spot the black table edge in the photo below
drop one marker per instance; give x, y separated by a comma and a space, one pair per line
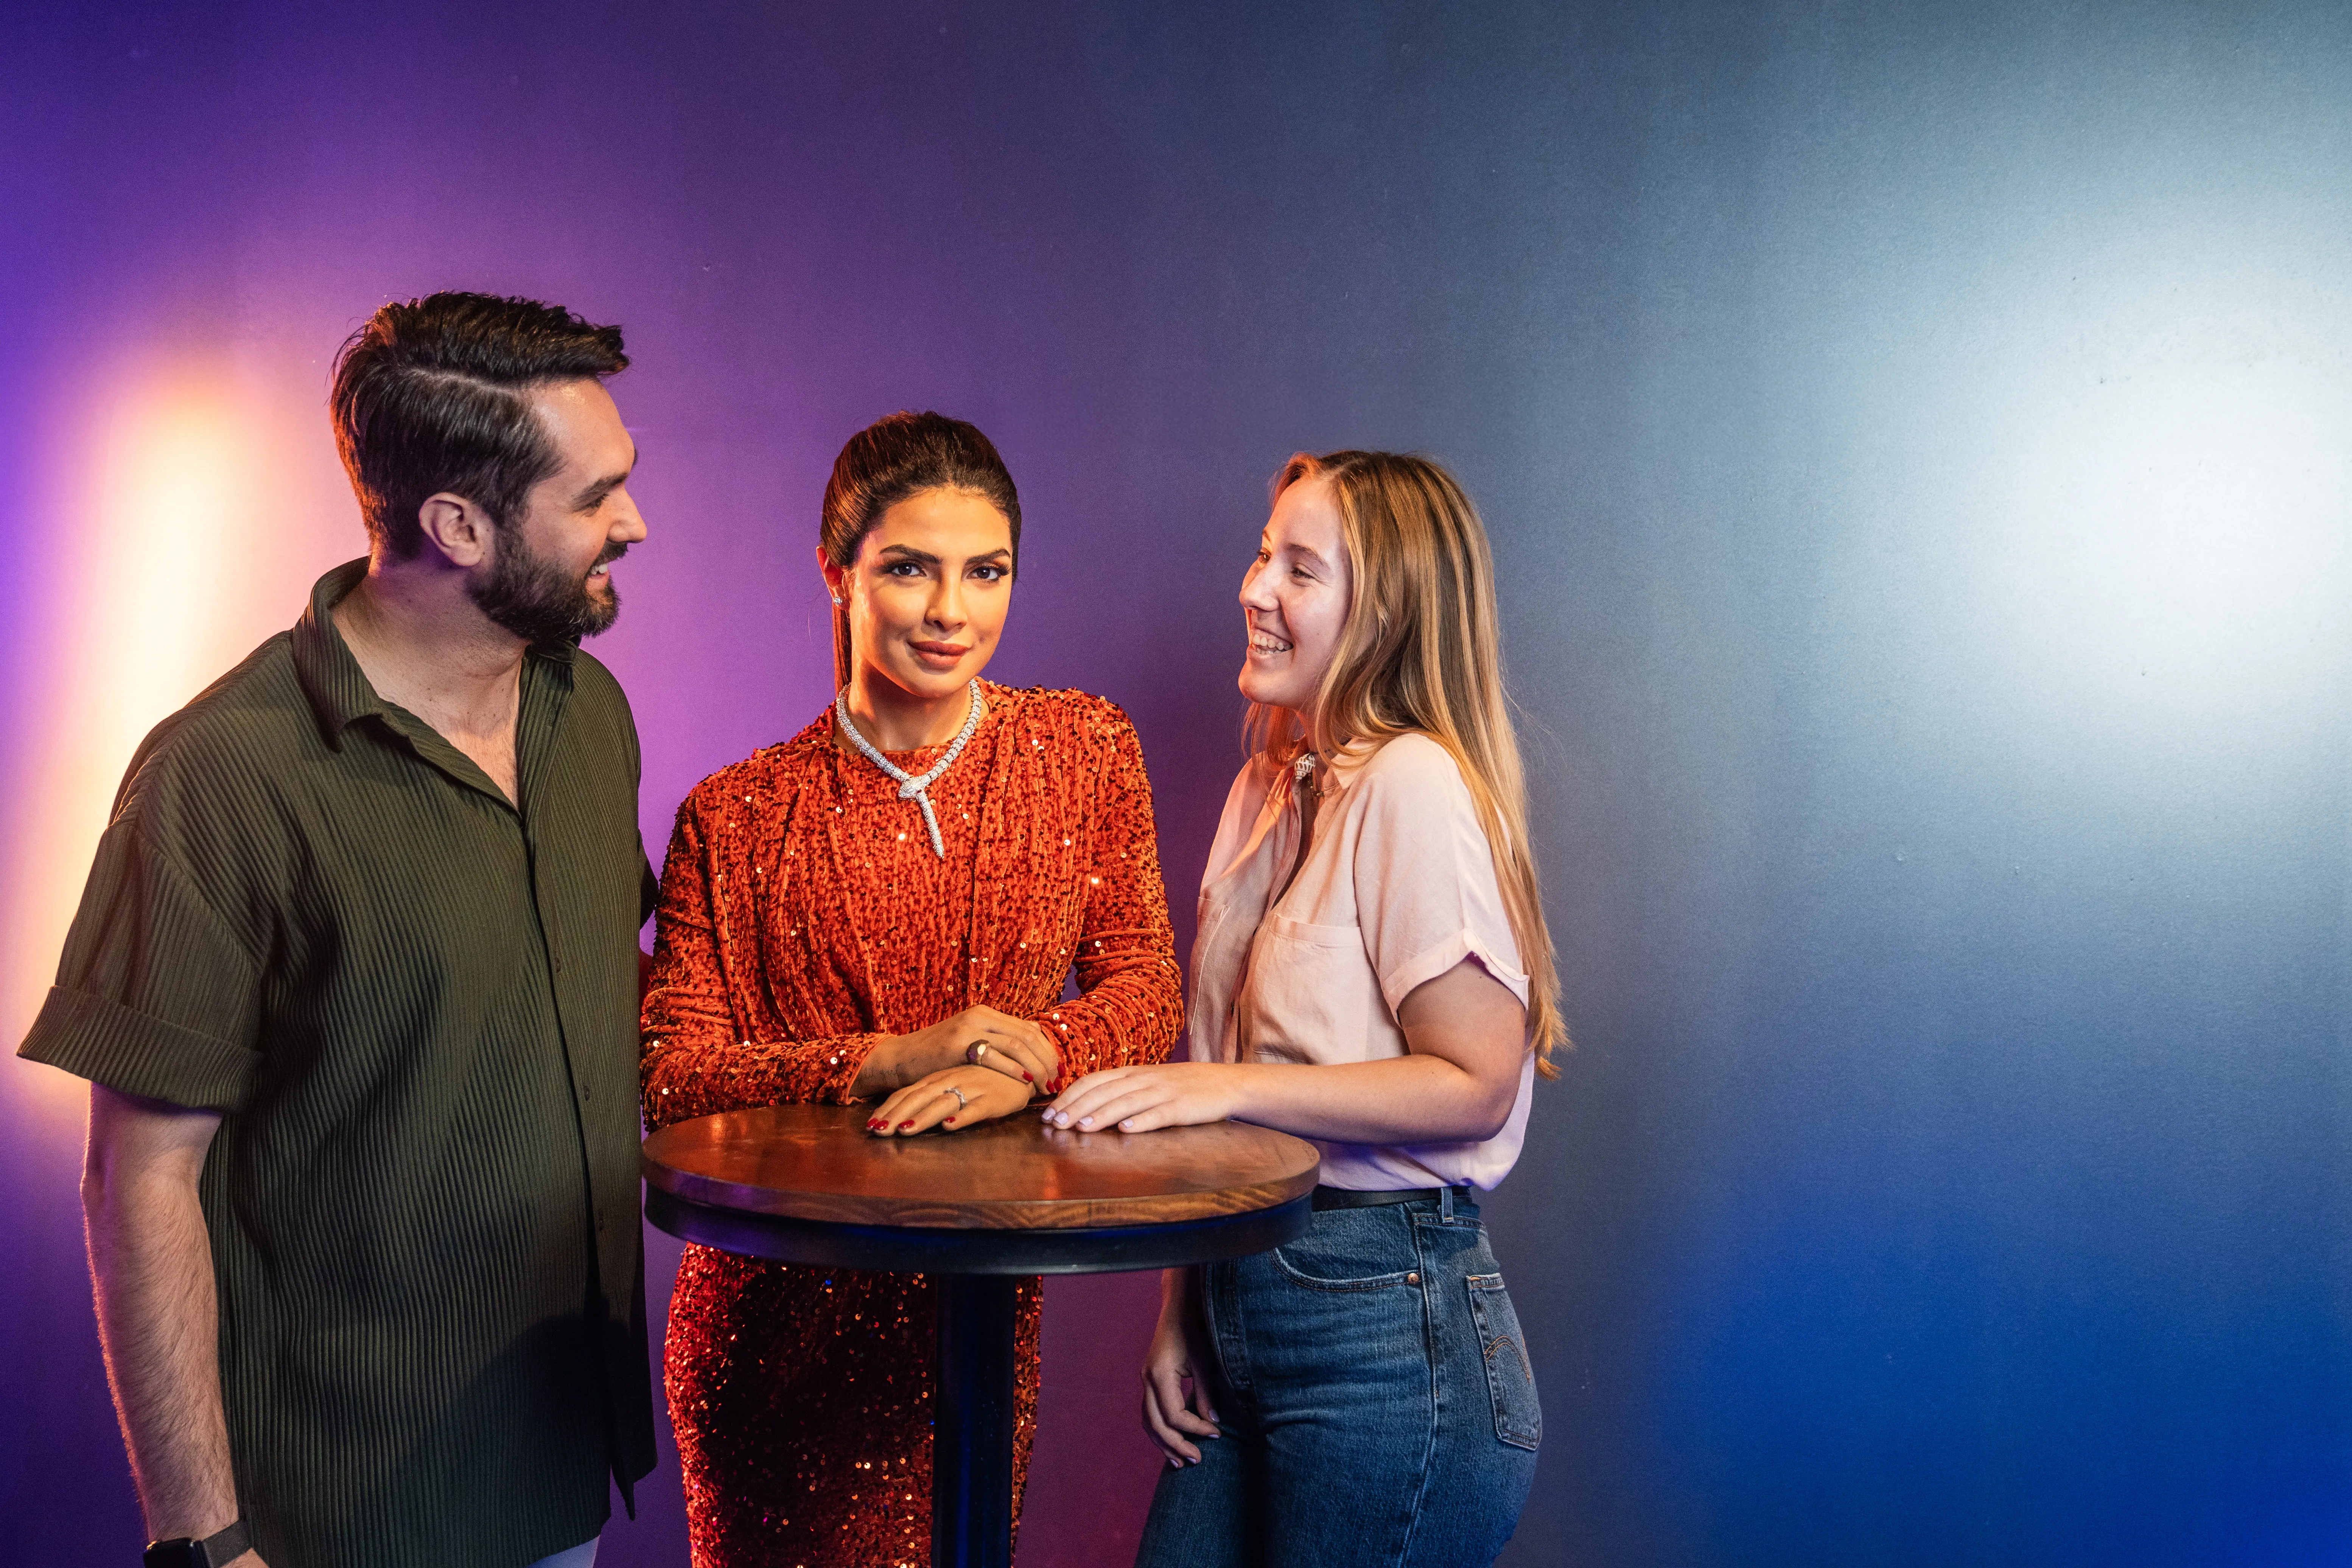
912, 1250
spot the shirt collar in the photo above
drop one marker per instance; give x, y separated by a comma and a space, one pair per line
1340, 768
331, 679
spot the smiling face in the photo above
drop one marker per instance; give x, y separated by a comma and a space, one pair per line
927, 592
547, 576
1296, 598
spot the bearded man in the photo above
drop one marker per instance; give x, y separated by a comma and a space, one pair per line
354, 984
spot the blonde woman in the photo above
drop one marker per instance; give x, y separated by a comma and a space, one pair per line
1371, 972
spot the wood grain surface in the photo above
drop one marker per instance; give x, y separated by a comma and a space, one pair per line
818, 1163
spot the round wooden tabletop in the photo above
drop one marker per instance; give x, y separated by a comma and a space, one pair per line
809, 1184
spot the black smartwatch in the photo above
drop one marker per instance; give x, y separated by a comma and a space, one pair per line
212, 1551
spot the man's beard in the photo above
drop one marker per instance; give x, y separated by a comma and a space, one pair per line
532, 597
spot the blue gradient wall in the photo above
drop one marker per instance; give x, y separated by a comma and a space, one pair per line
1915, 437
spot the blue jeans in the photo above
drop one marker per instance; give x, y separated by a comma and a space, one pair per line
1375, 1399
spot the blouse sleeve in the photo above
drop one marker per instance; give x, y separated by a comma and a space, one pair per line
1131, 1006
700, 1055
1426, 894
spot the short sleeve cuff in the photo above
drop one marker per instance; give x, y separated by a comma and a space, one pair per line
1431, 961
136, 1053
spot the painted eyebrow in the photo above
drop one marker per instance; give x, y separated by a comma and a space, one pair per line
909, 553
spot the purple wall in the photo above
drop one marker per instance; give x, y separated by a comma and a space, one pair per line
1913, 437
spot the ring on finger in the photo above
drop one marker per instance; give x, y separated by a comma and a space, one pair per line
974, 1052
961, 1103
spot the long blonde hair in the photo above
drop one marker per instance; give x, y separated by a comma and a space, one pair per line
1420, 652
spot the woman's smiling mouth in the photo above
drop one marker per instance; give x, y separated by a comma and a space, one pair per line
940, 654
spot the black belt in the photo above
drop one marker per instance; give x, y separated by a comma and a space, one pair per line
1348, 1198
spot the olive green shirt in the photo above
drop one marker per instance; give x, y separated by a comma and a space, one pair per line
414, 1003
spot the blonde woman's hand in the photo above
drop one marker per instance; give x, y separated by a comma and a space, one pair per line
1137, 1100
1172, 1414
950, 1100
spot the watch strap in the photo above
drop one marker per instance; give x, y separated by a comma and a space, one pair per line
217, 1550
227, 1546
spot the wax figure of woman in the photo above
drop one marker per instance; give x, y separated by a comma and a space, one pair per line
1373, 973
885, 908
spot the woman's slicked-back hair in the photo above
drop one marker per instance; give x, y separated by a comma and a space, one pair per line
433, 394
901, 455
1422, 651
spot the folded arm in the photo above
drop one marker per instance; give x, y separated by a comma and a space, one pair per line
1131, 1006
695, 1060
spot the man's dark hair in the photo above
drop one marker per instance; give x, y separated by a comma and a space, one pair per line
433, 394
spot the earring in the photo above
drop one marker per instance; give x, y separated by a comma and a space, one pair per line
836, 598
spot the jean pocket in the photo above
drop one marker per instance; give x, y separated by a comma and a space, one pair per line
1352, 1249
1297, 1275
1511, 1380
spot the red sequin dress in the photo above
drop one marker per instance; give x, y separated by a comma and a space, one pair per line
804, 918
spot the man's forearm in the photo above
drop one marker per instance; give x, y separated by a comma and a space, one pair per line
151, 1260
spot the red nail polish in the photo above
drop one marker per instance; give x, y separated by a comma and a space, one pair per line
904, 1125
1028, 1078
948, 1122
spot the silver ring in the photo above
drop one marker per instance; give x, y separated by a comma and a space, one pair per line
961, 1103
974, 1051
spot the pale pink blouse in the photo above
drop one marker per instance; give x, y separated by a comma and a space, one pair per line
1399, 887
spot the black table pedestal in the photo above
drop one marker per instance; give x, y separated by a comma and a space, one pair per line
976, 1273
974, 1212
971, 1427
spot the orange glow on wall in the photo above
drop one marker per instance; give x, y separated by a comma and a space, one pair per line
178, 529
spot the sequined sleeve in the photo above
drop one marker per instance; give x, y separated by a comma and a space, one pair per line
1130, 1007
704, 1050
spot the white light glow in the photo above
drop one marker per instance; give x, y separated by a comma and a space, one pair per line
2181, 540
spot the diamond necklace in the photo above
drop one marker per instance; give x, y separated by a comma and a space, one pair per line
909, 786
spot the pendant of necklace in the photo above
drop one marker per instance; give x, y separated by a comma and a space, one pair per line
911, 787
